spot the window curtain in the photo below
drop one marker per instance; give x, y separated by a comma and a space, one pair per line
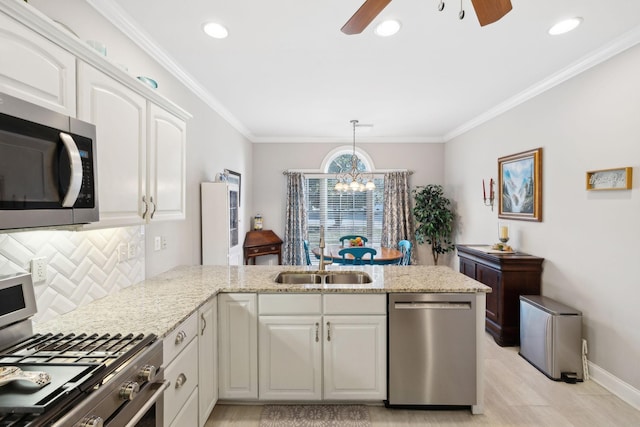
397, 221
296, 227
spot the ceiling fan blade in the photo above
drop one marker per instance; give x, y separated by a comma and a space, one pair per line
489, 11
363, 16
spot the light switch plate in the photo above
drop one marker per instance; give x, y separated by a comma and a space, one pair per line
157, 243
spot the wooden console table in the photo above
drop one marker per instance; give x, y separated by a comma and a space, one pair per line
509, 275
261, 242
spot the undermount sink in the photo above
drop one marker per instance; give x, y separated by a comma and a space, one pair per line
347, 278
318, 277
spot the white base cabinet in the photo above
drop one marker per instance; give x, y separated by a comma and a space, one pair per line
188, 415
355, 357
238, 346
322, 347
207, 359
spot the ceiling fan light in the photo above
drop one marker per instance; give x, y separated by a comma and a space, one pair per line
215, 30
565, 26
387, 28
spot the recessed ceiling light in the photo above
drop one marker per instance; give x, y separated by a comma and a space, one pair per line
565, 26
215, 30
387, 28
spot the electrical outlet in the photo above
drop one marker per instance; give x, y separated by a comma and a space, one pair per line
163, 242
39, 269
131, 250
157, 243
122, 252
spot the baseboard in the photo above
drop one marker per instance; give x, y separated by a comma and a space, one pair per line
615, 385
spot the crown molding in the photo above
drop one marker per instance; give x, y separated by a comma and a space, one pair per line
121, 20
609, 50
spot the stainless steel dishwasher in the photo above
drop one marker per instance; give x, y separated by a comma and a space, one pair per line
432, 350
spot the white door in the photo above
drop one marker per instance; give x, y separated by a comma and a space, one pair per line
166, 162
237, 346
290, 360
355, 357
120, 118
36, 70
207, 359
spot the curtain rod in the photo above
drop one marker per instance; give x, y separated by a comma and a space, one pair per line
288, 171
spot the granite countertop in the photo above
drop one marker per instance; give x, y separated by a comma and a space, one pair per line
159, 304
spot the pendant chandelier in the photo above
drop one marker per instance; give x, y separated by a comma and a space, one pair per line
354, 180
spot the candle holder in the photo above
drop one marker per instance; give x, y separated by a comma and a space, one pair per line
488, 201
503, 233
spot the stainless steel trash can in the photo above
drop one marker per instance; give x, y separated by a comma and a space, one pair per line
551, 337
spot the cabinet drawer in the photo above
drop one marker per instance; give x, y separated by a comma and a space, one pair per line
267, 249
272, 304
188, 415
179, 338
355, 304
183, 374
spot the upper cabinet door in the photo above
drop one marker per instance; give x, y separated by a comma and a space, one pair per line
167, 139
36, 70
120, 118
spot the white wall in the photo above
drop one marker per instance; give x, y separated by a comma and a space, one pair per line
590, 240
270, 160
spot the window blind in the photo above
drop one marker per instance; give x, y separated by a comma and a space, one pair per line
343, 213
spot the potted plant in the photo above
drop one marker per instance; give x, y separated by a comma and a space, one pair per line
434, 219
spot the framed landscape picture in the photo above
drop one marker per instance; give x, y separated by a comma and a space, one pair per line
520, 186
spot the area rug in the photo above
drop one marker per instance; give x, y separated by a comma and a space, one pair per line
315, 416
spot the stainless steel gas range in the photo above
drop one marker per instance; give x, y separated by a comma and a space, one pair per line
77, 379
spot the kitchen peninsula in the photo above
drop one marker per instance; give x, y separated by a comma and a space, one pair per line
171, 304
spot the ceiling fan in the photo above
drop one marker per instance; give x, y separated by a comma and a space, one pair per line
488, 11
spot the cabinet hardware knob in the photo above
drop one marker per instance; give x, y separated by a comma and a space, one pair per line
181, 380
180, 337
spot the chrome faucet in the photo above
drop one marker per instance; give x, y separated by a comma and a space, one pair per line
323, 263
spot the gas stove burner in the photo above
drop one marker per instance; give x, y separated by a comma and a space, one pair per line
13, 373
69, 377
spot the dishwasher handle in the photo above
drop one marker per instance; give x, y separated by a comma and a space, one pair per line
432, 305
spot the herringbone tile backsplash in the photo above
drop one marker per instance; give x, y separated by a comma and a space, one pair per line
81, 265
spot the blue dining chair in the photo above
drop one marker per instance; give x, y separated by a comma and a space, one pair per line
305, 243
351, 237
404, 246
358, 253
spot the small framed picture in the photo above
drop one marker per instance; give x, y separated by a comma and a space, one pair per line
520, 186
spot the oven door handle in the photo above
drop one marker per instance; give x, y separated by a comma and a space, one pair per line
152, 401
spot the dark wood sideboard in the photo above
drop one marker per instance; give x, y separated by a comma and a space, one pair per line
509, 275
261, 242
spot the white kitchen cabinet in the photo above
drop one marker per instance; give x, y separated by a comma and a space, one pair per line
290, 359
183, 374
237, 346
36, 70
166, 160
120, 116
188, 415
331, 347
355, 357
220, 224
207, 359
141, 152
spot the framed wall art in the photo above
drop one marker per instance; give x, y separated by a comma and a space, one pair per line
520, 186
610, 179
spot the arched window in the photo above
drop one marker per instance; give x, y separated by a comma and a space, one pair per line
344, 213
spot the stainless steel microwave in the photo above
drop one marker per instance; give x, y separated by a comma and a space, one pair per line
48, 173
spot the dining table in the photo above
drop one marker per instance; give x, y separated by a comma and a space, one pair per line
383, 256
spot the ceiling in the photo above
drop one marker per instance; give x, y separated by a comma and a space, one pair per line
287, 74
